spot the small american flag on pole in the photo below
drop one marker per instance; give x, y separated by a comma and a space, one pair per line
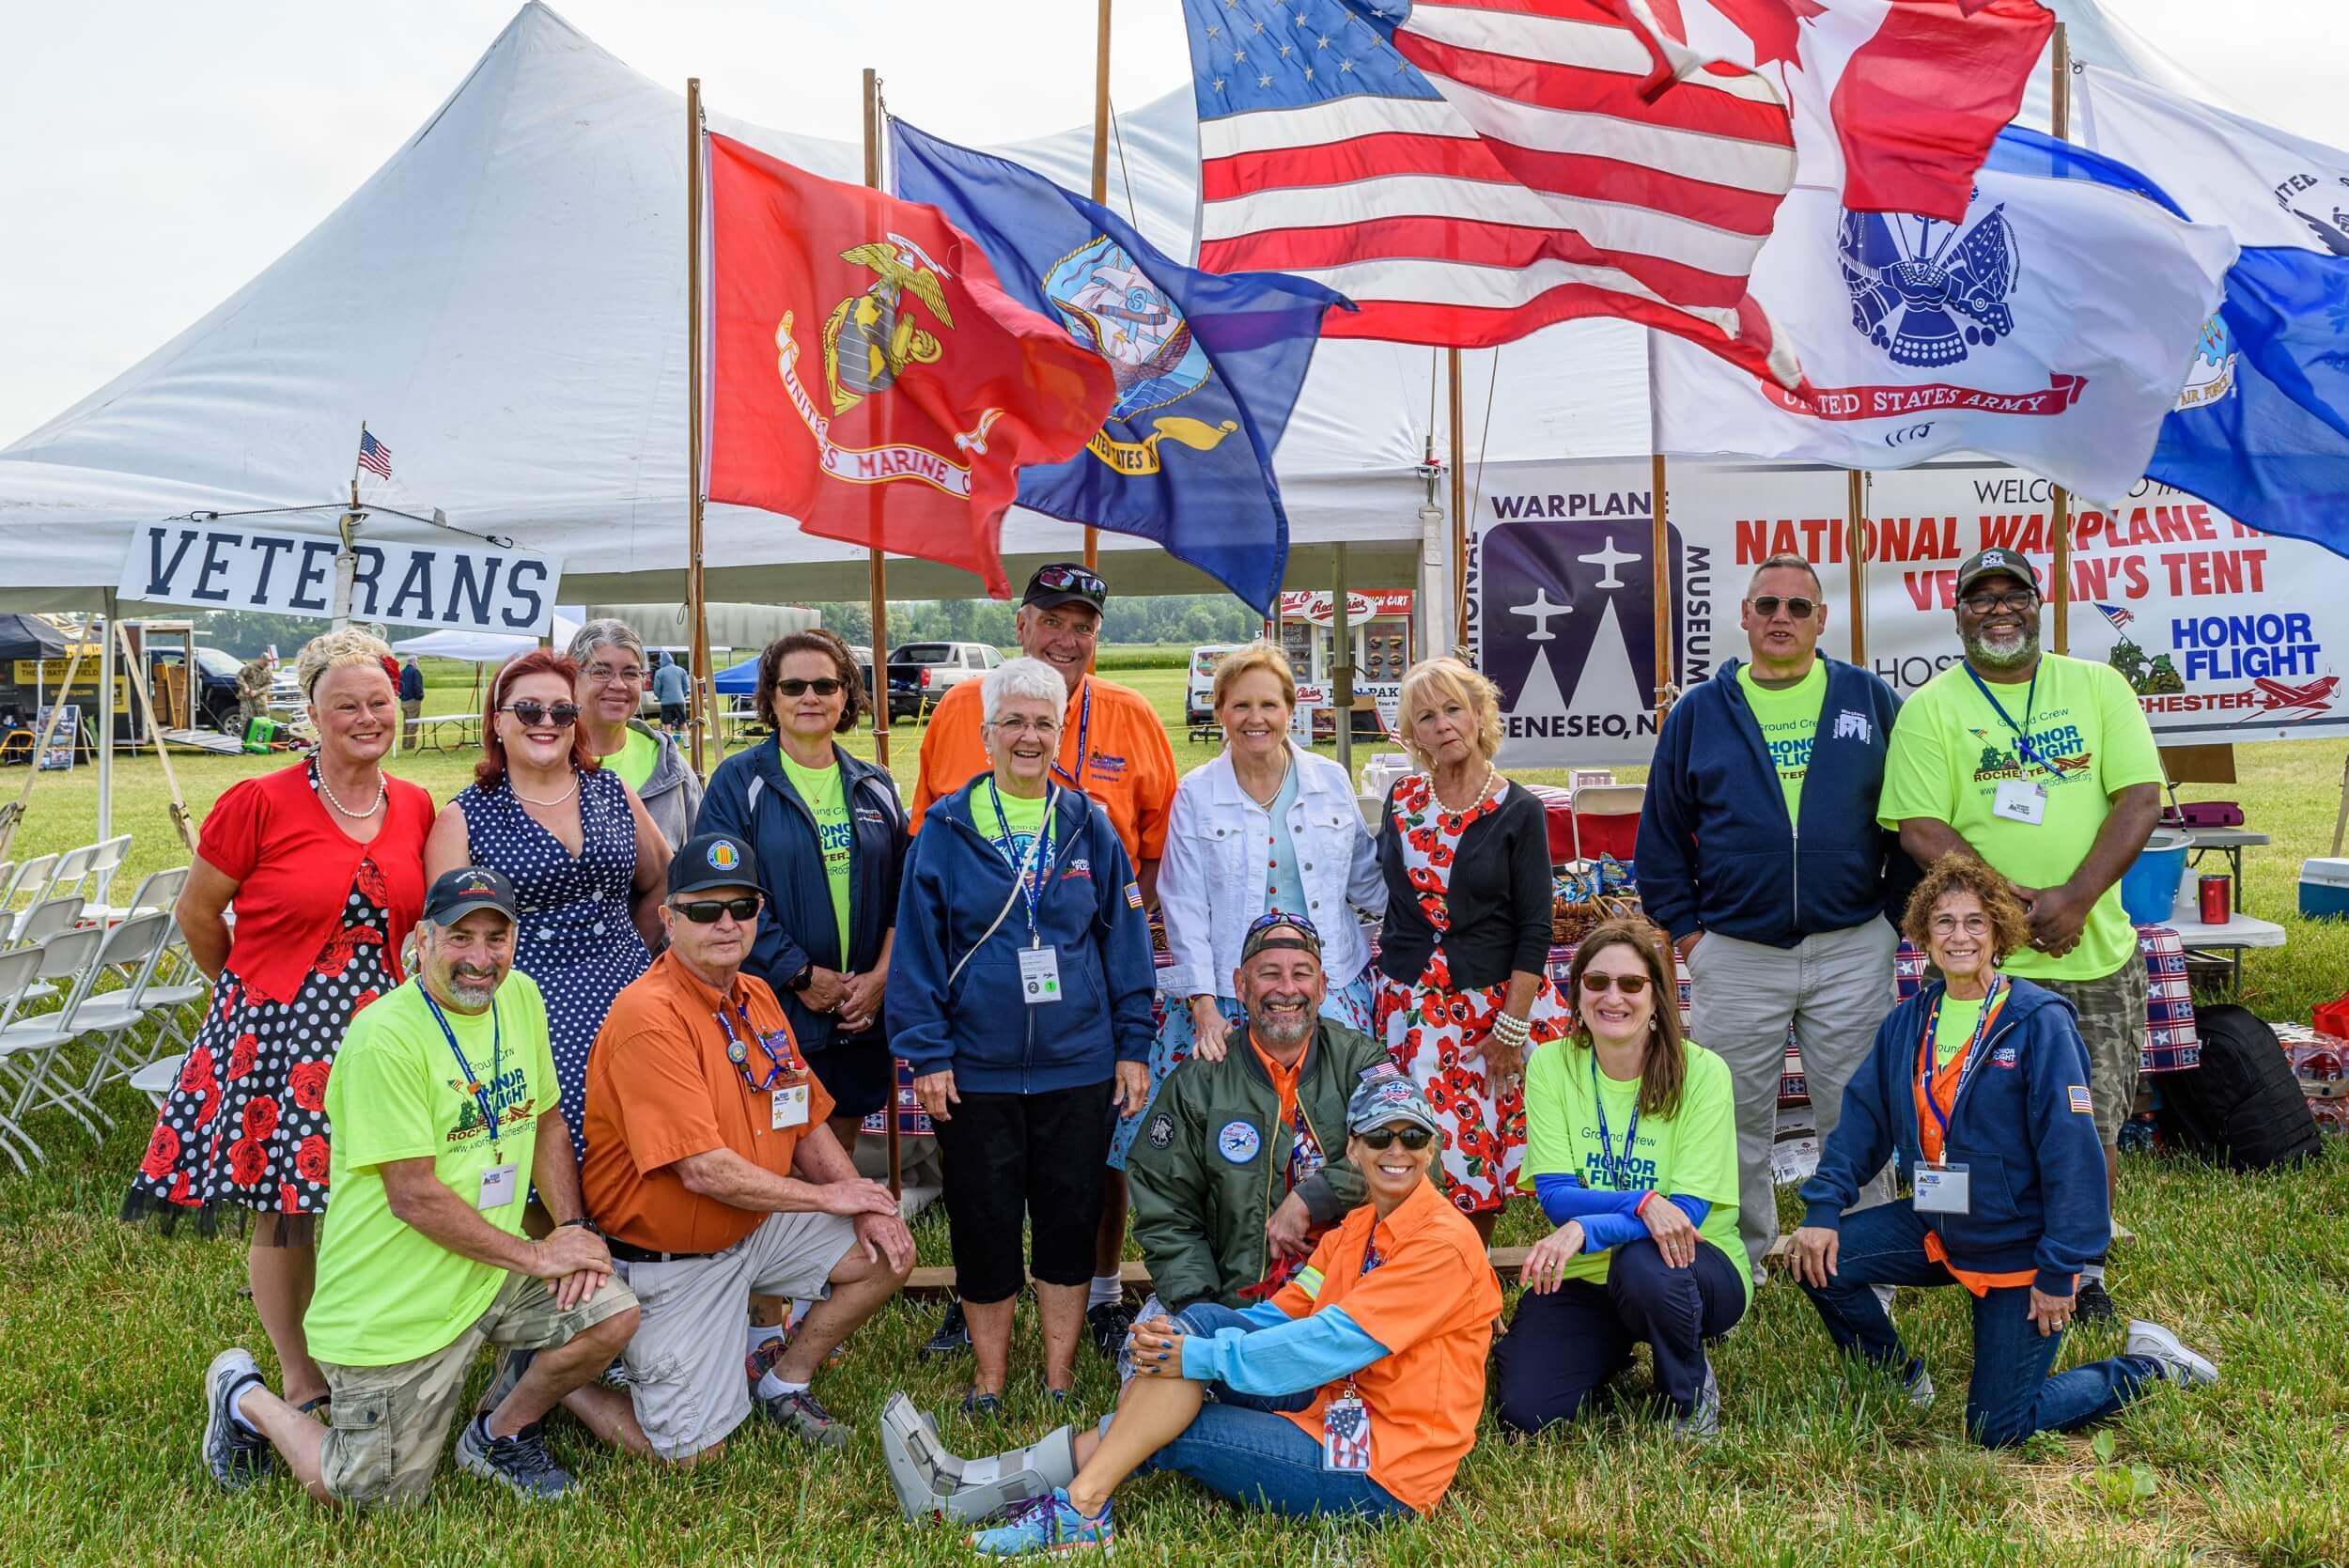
374, 456
2119, 614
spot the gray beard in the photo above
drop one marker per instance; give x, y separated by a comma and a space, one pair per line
1276, 1030
2025, 649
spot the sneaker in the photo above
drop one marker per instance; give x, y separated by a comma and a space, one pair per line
1702, 1423
1112, 1322
1920, 1386
800, 1414
511, 1366
2162, 1347
236, 1457
758, 1363
521, 1464
1048, 1523
953, 1336
977, 1404
2093, 1305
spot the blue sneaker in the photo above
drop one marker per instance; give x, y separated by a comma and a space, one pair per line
1048, 1523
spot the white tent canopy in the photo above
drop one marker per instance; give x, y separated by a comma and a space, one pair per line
504, 303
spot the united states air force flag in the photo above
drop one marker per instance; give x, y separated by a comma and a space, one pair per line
1208, 366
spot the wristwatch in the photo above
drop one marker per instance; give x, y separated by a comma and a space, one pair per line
583, 1222
802, 980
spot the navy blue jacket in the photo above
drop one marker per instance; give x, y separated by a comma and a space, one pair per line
2021, 1124
411, 682
1715, 850
751, 797
980, 1025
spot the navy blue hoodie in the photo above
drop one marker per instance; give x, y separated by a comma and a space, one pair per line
2021, 1125
1715, 850
980, 1025
751, 797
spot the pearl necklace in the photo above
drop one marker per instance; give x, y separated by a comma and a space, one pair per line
532, 800
1492, 778
383, 787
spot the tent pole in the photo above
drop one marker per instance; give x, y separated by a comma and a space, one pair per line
1659, 545
2059, 121
1100, 187
876, 564
1459, 512
1342, 676
1856, 552
106, 724
697, 592
138, 667
13, 811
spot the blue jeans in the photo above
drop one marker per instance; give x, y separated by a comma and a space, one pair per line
1563, 1347
2010, 1395
1241, 1448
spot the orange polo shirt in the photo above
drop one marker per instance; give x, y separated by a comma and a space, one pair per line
661, 1087
1945, 1081
1126, 762
1431, 1301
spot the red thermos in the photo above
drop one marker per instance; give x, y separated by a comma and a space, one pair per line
2217, 891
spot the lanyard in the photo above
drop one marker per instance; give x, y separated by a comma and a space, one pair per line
738, 1052
1039, 855
1085, 728
1967, 1060
2022, 731
1606, 1143
1370, 1254
497, 1061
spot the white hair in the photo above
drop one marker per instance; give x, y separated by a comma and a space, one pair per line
1021, 677
605, 632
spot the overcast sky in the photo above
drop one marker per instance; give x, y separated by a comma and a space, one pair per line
154, 156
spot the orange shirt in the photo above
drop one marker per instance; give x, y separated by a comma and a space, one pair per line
660, 1088
1431, 1301
1945, 1081
1285, 1081
1126, 762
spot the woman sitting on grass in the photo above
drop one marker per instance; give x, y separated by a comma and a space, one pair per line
1978, 1087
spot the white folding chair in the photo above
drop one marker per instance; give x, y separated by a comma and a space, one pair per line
30, 1047
67, 876
131, 950
106, 858
30, 876
7, 882
1605, 801
157, 890
155, 1078
17, 973
44, 920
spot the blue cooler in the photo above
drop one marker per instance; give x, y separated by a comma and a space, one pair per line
2325, 889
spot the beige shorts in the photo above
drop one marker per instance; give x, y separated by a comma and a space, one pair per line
2113, 1026
390, 1421
685, 1364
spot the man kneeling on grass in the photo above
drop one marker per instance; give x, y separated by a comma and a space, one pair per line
447, 1112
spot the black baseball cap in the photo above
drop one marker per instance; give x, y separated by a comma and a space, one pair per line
1993, 562
1065, 582
712, 860
457, 894
1279, 929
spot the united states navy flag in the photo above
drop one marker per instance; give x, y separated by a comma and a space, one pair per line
1208, 366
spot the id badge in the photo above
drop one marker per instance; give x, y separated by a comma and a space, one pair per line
1039, 975
1941, 1188
497, 1186
1346, 1436
787, 1108
2022, 801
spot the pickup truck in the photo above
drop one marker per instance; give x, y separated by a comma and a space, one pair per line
929, 669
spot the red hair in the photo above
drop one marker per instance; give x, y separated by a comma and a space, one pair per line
537, 661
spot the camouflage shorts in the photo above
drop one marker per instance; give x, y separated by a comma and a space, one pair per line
2113, 1026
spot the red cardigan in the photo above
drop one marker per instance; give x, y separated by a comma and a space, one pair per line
293, 868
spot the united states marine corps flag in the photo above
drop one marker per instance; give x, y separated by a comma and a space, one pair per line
871, 378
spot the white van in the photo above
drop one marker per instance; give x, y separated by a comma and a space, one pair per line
1197, 707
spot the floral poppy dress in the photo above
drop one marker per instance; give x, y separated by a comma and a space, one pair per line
247, 1123
1426, 1024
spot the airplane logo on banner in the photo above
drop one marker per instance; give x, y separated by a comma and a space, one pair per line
1551, 589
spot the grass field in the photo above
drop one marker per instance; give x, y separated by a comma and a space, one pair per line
104, 1332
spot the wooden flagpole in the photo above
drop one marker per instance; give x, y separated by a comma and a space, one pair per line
2059, 121
1659, 545
1100, 188
1856, 554
875, 563
1459, 511
696, 590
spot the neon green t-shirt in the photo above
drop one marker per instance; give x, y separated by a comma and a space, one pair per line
826, 794
1790, 722
635, 759
1693, 1151
1952, 1028
386, 1292
1025, 814
1951, 751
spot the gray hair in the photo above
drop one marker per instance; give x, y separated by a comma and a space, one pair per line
1787, 561
607, 631
1021, 677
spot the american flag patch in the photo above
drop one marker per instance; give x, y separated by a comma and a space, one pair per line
2081, 1103
1133, 895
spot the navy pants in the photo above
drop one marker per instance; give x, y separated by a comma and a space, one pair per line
2010, 1395
1563, 1347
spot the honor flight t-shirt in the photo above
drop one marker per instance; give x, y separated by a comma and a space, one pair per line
635, 759
1952, 1026
2087, 740
1789, 717
826, 795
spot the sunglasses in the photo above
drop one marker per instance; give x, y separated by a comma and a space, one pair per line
705, 911
1765, 606
1072, 579
795, 686
1382, 1138
1629, 984
534, 713
1271, 918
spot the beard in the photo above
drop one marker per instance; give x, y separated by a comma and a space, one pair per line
2004, 655
470, 992
1281, 1029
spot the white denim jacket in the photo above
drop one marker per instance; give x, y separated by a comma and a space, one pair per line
1211, 880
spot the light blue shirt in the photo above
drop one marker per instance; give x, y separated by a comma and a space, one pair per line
1287, 883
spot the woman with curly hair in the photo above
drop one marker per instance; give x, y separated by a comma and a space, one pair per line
323, 863
1978, 1090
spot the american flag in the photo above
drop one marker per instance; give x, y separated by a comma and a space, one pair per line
374, 456
1468, 173
2119, 614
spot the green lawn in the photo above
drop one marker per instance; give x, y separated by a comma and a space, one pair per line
106, 1331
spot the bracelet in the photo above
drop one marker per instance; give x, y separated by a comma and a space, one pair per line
1510, 1030
583, 1222
1640, 1208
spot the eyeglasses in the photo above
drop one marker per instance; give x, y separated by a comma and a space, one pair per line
1382, 1138
1629, 984
1947, 926
827, 687
1765, 606
1990, 604
605, 675
1027, 727
1071, 579
705, 911
533, 713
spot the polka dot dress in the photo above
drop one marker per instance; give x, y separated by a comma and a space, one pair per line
576, 937
246, 1124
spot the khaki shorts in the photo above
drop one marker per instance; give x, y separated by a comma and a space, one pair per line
2113, 1026
390, 1421
685, 1364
